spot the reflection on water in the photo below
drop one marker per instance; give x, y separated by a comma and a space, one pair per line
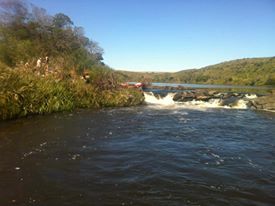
139, 156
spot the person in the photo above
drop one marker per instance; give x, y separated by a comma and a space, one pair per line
47, 60
38, 66
38, 63
86, 77
47, 64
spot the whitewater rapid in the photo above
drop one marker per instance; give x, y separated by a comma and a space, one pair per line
167, 101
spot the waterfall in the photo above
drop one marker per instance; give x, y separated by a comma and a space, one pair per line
150, 98
167, 101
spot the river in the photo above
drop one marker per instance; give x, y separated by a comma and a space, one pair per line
211, 86
156, 154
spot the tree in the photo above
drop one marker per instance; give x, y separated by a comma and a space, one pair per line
14, 11
62, 21
28, 32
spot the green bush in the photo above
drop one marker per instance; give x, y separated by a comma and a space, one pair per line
23, 93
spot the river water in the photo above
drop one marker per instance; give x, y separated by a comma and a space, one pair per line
211, 86
148, 155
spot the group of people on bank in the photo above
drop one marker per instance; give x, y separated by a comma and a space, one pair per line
42, 68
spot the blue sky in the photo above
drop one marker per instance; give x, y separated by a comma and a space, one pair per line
172, 35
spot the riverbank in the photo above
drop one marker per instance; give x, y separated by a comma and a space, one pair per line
24, 93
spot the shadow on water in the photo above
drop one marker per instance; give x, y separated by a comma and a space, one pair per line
139, 156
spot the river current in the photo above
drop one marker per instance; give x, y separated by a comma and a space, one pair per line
156, 154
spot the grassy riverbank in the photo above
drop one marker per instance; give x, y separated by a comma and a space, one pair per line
42, 60
24, 93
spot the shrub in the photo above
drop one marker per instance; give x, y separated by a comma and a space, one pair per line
23, 93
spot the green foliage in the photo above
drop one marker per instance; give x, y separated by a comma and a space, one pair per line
120, 98
28, 32
62, 21
23, 93
254, 72
103, 78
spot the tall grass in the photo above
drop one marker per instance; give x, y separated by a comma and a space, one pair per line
23, 93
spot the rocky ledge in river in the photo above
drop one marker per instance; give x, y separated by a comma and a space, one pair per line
230, 99
265, 102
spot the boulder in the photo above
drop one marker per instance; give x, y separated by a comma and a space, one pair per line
227, 95
184, 96
203, 97
251, 105
212, 92
229, 101
265, 102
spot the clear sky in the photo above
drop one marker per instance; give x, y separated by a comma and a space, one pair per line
172, 35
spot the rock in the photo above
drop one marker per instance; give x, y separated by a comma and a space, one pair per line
229, 101
251, 105
212, 92
265, 102
180, 87
203, 97
227, 95
227, 98
184, 96
168, 88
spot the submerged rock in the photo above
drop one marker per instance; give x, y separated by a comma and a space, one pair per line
229, 101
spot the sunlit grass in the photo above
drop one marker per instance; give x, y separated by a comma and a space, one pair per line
23, 93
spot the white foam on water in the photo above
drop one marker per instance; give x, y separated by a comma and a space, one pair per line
215, 103
168, 102
241, 104
151, 99
251, 96
212, 103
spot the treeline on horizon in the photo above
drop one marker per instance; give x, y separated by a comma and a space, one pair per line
248, 71
29, 33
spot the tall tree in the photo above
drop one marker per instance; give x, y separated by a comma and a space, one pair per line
28, 32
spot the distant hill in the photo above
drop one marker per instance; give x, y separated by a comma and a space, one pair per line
248, 71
